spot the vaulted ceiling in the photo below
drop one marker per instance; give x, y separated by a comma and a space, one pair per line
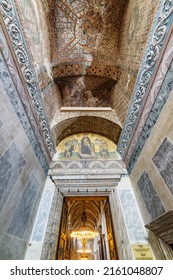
84, 43
85, 36
90, 207
86, 53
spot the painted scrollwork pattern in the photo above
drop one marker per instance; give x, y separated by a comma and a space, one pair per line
158, 36
11, 21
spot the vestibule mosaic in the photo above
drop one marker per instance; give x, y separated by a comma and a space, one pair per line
85, 30
86, 146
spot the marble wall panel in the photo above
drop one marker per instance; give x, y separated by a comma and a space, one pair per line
133, 222
20, 87
146, 72
11, 248
120, 229
16, 35
24, 208
163, 159
153, 116
10, 88
11, 166
158, 80
53, 228
150, 197
1, 124
42, 217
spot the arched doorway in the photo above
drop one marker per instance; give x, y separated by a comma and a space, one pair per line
86, 229
85, 170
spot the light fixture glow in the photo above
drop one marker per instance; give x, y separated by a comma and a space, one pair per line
84, 234
84, 251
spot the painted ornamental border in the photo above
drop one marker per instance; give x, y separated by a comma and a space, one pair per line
12, 23
157, 39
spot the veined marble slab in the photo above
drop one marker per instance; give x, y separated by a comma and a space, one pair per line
11, 166
163, 159
42, 217
24, 208
150, 197
133, 221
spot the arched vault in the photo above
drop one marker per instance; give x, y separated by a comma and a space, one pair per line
86, 124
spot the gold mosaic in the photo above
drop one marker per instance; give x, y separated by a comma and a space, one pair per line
86, 146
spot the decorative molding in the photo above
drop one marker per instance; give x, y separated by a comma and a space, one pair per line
84, 68
163, 227
87, 164
153, 116
63, 116
12, 94
160, 30
154, 91
15, 32
21, 92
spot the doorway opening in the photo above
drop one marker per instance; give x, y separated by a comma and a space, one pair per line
86, 229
